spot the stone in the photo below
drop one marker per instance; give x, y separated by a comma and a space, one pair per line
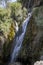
15, 63
33, 42
38, 63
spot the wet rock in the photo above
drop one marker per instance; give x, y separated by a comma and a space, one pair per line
16, 63
33, 42
38, 63
38, 2
32, 3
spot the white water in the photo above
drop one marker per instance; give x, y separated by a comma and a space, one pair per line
16, 27
19, 38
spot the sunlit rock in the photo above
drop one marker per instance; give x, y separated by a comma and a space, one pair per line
38, 63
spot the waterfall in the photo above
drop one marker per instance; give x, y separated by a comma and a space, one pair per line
19, 38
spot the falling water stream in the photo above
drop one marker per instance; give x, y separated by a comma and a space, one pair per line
19, 38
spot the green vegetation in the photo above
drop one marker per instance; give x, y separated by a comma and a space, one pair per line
17, 13
14, 12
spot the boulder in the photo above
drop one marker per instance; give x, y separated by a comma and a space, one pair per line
38, 63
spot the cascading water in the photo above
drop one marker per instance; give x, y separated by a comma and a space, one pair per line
19, 38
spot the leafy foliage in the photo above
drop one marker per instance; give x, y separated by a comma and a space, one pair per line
4, 14
17, 13
5, 21
14, 12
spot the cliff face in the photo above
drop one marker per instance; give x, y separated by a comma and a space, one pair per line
31, 3
33, 42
